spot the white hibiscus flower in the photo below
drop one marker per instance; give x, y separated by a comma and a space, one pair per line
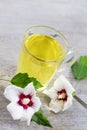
24, 102
60, 95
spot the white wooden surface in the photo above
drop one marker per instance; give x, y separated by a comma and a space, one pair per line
68, 16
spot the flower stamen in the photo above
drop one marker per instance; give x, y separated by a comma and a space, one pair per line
25, 101
62, 95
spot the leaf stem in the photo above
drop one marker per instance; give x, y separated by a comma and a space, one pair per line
80, 100
5, 80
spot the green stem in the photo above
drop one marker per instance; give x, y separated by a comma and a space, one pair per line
80, 100
5, 80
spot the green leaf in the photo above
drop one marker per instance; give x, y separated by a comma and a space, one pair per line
36, 83
79, 68
22, 80
40, 119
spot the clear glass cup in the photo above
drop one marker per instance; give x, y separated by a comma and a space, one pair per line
38, 57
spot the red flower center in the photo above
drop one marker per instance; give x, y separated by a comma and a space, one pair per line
62, 95
25, 101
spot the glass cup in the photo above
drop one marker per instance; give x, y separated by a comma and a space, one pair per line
43, 51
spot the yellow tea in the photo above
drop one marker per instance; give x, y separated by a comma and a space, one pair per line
38, 57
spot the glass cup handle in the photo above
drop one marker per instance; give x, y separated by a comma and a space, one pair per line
70, 58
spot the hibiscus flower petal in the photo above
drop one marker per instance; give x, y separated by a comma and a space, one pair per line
54, 106
68, 104
61, 83
29, 89
28, 115
15, 110
12, 92
52, 93
37, 104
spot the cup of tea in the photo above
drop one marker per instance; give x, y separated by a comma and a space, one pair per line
43, 51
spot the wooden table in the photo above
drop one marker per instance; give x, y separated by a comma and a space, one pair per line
68, 16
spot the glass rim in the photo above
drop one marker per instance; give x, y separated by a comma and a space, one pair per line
50, 28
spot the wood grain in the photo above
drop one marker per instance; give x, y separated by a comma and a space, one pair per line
68, 16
